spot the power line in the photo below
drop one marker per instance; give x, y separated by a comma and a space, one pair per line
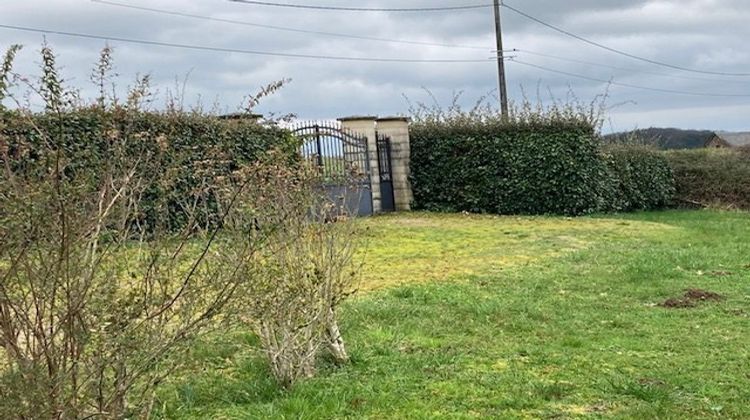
285, 28
613, 83
241, 51
364, 9
591, 63
616, 51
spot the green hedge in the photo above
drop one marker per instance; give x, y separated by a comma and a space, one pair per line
639, 178
551, 167
506, 168
712, 177
176, 152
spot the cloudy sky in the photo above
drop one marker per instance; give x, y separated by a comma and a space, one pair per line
710, 36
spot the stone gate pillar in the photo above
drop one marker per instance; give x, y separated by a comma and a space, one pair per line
397, 128
365, 126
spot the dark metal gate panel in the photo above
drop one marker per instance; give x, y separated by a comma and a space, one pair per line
342, 157
387, 200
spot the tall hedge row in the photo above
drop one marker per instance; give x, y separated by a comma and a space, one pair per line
505, 168
550, 167
712, 177
176, 152
639, 178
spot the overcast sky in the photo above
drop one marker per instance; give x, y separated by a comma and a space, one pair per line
706, 35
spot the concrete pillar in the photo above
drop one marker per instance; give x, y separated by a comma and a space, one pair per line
365, 126
397, 128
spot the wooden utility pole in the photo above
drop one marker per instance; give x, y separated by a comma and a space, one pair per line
503, 89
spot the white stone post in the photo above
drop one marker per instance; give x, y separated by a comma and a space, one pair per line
397, 128
365, 126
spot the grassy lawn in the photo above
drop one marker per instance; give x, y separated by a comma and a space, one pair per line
469, 316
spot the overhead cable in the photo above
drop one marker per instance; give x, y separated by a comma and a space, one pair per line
240, 51
628, 85
365, 9
286, 28
617, 51
628, 69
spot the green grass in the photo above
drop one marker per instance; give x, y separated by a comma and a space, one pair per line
528, 318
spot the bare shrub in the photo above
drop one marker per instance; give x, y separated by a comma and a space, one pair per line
711, 177
539, 111
303, 272
95, 311
96, 308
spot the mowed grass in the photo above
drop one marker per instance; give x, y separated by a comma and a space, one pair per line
424, 247
479, 316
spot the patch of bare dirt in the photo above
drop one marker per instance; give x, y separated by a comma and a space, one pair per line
698, 294
691, 298
651, 382
600, 407
357, 402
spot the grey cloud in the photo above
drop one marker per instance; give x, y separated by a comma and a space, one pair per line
707, 34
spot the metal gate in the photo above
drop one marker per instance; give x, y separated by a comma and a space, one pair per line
342, 157
387, 200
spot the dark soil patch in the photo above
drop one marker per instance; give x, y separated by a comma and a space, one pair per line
698, 294
691, 298
651, 382
677, 303
357, 402
601, 407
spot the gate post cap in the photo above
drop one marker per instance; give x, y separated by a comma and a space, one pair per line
358, 118
394, 118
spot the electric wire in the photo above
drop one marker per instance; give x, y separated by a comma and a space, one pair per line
628, 85
617, 51
286, 28
372, 59
240, 51
364, 9
634, 70
410, 42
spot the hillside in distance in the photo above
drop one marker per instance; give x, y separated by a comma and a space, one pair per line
665, 138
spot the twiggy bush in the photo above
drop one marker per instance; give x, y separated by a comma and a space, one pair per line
94, 309
712, 177
303, 272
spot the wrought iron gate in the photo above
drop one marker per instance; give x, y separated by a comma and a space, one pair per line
342, 157
387, 200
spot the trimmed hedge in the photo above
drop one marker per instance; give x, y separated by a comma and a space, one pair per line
712, 177
548, 167
640, 178
506, 168
176, 152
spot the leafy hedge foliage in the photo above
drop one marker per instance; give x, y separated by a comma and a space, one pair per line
506, 168
712, 177
526, 167
177, 151
640, 178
